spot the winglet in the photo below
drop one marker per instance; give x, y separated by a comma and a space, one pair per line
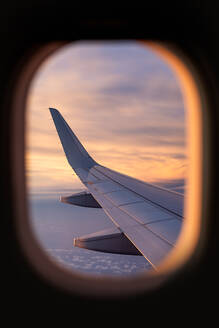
76, 154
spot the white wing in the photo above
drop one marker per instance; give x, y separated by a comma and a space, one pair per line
147, 218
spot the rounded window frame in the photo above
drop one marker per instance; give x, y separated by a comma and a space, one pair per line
192, 236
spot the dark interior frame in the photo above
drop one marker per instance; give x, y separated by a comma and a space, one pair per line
26, 30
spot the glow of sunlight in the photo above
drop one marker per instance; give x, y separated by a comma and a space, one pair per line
123, 103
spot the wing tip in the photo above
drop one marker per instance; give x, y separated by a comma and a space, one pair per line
53, 110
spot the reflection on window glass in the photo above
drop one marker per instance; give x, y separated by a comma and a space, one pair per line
124, 104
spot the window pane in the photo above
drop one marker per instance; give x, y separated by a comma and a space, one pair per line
125, 105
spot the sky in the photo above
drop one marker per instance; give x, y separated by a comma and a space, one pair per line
123, 102
125, 105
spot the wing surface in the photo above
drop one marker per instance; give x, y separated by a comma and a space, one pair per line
149, 216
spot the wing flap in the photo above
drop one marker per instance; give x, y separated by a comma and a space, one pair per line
152, 247
168, 230
145, 212
151, 228
154, 240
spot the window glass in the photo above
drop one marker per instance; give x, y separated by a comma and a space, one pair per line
125, 105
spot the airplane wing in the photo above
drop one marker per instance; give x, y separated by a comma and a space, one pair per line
147, 218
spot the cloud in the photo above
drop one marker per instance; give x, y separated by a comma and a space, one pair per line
123, 103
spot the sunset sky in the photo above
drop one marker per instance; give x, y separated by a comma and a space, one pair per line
124, 104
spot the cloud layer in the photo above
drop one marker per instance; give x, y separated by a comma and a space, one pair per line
122, 101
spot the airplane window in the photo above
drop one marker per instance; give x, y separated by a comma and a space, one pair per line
124, 104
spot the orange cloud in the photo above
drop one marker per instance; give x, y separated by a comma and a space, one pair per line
123, 103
